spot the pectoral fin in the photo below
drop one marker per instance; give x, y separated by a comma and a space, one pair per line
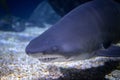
112, 51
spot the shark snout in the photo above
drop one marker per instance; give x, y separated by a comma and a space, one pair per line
40, 50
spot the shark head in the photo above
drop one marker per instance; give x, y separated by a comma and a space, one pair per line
52, 51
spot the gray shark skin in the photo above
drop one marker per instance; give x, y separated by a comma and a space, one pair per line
80, 34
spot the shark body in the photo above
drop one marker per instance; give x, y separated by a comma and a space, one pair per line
81, 34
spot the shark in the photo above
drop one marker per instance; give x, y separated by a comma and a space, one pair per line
90, 30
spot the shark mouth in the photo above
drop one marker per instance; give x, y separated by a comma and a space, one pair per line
61, 58
49, 58
53, 58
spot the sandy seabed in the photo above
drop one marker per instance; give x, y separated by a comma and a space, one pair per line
15, 64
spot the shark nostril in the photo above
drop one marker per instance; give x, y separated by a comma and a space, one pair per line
28, 53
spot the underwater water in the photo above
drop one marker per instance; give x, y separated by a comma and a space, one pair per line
16, 32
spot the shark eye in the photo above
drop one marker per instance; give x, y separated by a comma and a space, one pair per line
54, 48
50, 50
